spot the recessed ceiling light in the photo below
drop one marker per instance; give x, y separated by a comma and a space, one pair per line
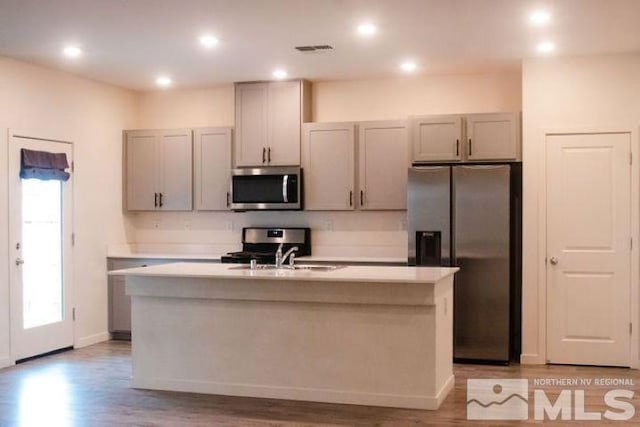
280, 74
540, 17
72, 51
367, 29
163, 81
408, 66
208, 41
546, 47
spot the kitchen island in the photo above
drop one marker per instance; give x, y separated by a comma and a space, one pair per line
360, 335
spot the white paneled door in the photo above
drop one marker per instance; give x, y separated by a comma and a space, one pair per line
588, 248
40, 215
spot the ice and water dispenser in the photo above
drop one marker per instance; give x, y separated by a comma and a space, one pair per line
428, 248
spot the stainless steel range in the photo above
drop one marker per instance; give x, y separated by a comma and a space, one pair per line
262, 243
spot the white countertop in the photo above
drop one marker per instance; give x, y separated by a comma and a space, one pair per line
371, 274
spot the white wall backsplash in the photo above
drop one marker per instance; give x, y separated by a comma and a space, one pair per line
363, 234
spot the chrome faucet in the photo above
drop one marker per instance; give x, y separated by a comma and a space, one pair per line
280, 258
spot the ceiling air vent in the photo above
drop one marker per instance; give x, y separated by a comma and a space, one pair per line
314, 48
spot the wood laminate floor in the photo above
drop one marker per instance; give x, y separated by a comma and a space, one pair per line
90, 387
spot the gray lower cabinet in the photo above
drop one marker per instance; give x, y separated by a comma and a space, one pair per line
119, 301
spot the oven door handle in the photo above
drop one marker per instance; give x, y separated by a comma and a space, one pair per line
285, 182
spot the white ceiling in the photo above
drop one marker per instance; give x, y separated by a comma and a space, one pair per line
130, 42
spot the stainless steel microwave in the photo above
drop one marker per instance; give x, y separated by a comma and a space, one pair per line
272, 188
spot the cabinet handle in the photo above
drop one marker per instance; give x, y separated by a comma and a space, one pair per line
470, 151
155, 200
350, 198
228, 203
160, 198
457, 147
361, 198
269, 155
264, 151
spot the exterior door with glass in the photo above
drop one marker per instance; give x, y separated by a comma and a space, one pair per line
40, 233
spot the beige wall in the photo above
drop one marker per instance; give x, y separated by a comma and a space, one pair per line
187, 108
338, 233
400, 97
92, 115
594, 92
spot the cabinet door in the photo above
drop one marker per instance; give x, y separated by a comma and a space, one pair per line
141, 166
383, 165
251, 124
492, 136
436, 138
119, 301
283, 144
328, 162
176, 170
212, 160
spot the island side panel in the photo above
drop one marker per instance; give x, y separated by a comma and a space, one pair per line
443, 298
373, 354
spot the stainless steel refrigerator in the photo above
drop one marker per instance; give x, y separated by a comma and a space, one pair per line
469, 216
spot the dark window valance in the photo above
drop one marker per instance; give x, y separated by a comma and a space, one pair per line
43, 165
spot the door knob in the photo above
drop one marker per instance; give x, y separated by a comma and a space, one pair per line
553, 260
19, 261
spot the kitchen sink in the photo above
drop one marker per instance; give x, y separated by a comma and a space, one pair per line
303, 267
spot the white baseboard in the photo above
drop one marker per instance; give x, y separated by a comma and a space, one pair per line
444, 391
297, 393
532, 359
92, 339
6, 361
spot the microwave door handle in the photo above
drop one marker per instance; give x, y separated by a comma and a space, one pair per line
285, 181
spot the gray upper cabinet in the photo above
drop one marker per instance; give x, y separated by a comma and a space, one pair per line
436, 138
328, 161
212, 168
158, 170
470, 137
492, 137
269, 116
383, 150
251, 124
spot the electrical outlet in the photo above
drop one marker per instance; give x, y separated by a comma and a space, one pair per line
403, 225
228, 225
328, 225
187, 224
156, 224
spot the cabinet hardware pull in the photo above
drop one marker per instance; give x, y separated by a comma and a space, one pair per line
264, 151
228, 203
160, 202
470, 146
351, 198
155, 200
269, 155
361, 198
457, 147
